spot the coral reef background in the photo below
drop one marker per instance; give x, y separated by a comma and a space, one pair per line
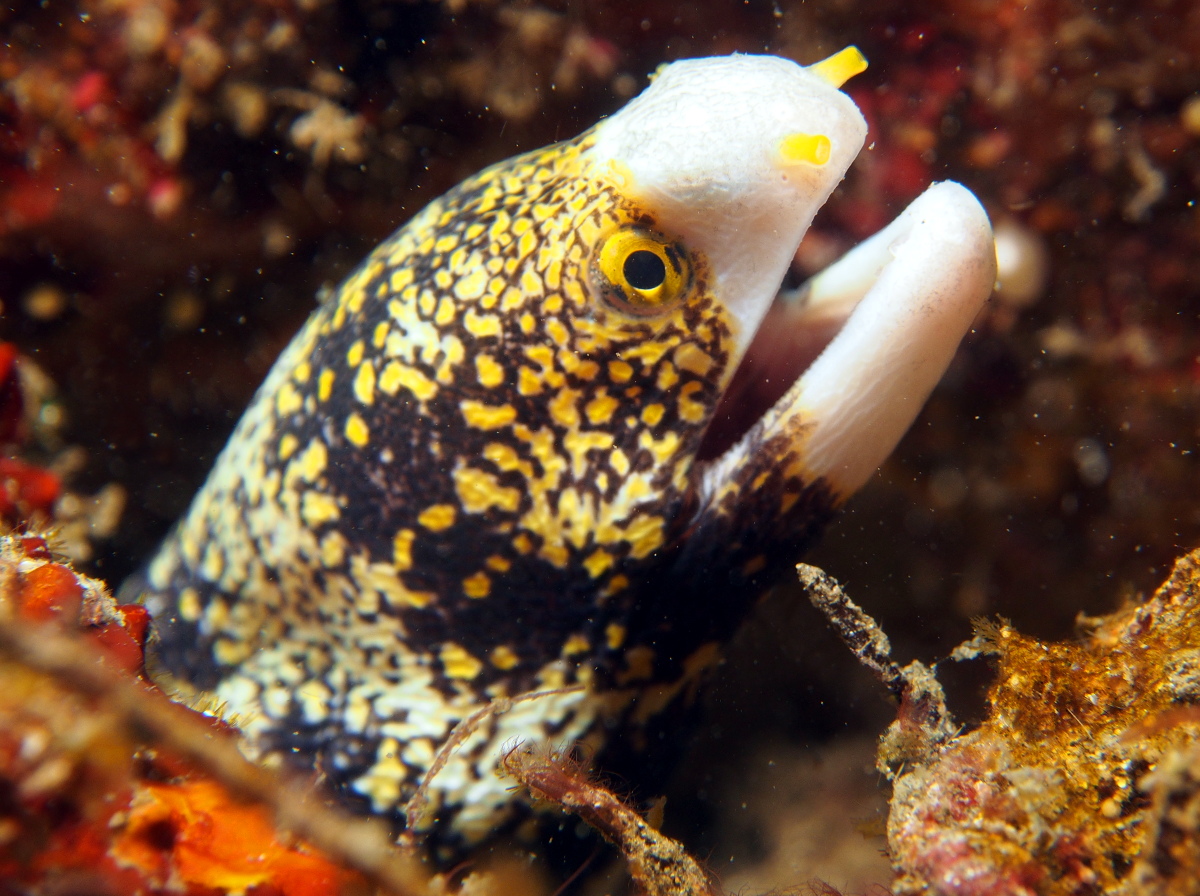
179, 179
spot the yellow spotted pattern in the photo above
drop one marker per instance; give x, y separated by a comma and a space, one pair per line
470, 475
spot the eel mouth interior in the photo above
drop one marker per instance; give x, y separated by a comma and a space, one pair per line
870, 337
791, 336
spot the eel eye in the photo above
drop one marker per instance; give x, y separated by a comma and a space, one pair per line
640, 272
644, 270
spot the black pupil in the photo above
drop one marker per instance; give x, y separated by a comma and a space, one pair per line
644, 270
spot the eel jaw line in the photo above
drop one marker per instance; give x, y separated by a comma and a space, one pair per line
735, 155
911, 292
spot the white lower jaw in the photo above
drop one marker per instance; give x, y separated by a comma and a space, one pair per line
914, 287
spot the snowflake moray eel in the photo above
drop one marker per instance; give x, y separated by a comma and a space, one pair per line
473, 472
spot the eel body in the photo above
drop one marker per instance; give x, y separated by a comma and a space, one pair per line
473, 475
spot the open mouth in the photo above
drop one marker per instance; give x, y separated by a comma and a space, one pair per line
791, 336
841, 366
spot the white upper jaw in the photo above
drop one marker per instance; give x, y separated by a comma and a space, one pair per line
701, 148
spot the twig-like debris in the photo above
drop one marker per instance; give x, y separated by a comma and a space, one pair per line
924, 721
658, 865
418, 804
361, 845
857, 630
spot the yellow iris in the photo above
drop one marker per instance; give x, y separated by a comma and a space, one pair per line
641, 272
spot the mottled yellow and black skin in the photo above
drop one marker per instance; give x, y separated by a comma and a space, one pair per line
473, 475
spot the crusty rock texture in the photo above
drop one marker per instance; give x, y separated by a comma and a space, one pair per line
1085, 775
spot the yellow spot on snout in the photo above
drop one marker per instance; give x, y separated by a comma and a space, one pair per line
840, 67
804, 149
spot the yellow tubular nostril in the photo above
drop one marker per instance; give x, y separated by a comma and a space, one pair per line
840, 67
809, 149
